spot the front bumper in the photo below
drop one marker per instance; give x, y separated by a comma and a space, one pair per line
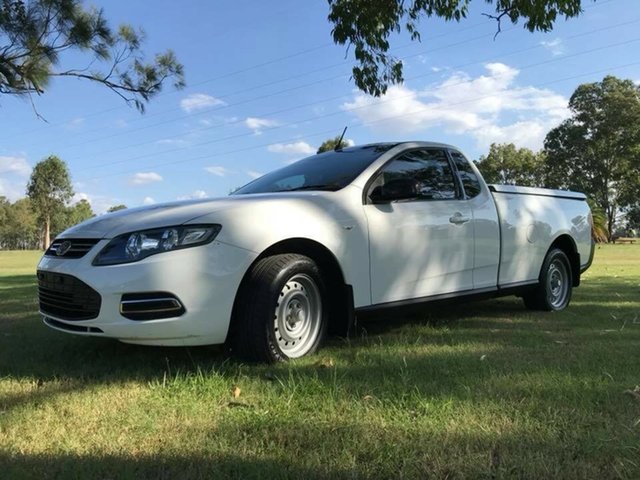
204, 278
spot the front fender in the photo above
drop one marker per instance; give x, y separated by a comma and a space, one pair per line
333, 219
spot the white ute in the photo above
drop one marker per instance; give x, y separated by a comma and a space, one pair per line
302, 250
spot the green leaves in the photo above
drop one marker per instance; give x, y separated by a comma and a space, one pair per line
49, 190
331, 144
50, 185
367, 25
33, 34
597, 150
507, 164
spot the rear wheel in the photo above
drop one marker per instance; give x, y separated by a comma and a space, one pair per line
280, 312
553, 291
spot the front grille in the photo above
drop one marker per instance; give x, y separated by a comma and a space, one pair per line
71, 247
66, 297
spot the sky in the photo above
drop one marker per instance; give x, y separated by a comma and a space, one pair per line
266, 85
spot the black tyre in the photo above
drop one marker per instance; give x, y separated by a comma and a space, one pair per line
553, 291
280, 311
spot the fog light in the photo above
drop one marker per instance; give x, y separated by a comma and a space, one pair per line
150, 306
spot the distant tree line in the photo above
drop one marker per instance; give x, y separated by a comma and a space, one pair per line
20, 228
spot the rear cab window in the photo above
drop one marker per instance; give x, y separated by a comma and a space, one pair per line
468, 177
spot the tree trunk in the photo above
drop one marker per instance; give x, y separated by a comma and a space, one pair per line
47, 232
610, 221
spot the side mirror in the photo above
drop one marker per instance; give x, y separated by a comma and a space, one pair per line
395, 189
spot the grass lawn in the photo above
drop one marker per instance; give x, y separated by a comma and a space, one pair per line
482, 390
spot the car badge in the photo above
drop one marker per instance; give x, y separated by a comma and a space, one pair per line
63, 248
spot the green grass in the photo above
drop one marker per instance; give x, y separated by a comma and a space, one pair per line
482, 390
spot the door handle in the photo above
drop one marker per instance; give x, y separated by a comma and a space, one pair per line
458, 218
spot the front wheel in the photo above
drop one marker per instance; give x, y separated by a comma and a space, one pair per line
553, 292
280, 312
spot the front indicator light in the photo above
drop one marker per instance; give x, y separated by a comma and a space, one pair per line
135, 246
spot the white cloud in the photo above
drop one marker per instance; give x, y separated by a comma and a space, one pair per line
17, 170
295, 148
253, 174
143, 178
17, 165
197, 194
555, 46
490, 108
217, 170
199, 101
12, 190
148, 201
257, 124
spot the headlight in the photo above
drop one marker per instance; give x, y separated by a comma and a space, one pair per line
135, 246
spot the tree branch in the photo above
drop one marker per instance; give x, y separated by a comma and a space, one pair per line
35, 110
498, 18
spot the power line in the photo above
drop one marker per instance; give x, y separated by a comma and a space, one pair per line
299, 87
244, 70
354, 124
253, 99
276, 60
317, 117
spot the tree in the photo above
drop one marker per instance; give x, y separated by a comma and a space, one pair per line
115, 208
632, 218
510, 165
80, 212
36, 34
49, 189
331, 143
18, 229
5, 205
69, 216
366, 25
599, 230
597, 150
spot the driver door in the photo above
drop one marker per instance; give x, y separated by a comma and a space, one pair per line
422, 243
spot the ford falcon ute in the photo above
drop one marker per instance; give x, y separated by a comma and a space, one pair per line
300, 252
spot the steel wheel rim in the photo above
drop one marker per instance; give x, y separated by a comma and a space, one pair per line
298, 316
557, 283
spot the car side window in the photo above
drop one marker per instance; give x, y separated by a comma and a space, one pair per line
428, 168
469, 179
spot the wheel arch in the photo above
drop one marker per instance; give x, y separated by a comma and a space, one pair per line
566, 243
341, 313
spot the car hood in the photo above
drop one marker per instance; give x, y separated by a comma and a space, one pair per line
169, 214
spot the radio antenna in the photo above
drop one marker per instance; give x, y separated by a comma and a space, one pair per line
339, 144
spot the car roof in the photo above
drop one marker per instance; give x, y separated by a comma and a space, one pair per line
421, 143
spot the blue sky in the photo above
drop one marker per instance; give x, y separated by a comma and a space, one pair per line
265, 86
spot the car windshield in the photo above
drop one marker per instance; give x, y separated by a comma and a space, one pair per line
326, 171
